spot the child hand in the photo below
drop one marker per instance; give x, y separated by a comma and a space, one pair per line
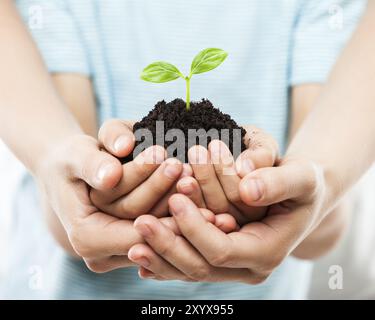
217, 176
101, 240
147, 182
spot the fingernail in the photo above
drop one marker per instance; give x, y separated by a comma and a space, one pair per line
154, 155
143, 261
178, 207
254, 189
145, 230
172, 170
186, 188
215, 151
247, 166
103, 171
121, 143
198, 155
220, 154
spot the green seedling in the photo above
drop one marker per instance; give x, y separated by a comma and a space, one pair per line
206, 60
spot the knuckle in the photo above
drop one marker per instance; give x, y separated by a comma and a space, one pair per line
203, 177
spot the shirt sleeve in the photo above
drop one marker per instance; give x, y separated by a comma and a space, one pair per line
56, 34
320, 33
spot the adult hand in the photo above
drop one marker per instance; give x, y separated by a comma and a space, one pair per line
65, 181
217, 175
100, 239
298, 198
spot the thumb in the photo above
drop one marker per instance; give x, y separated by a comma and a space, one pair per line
97, 168
262, 151
267, 186
117, 137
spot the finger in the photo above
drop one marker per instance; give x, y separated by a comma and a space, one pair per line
204, 173
144, 256
225, 170
208, 215
275, 237
195, 228
172, 248
272, 185
226, 223
170, 222
97, 168
262, 152
242, 275
161, 209
117, 137
233, 250
187, 170
133, 174
145, 196
108, 264
143, 273
190, 187
180, 254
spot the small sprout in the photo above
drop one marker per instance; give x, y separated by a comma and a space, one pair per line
204, 61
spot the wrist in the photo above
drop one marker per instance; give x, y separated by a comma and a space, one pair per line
328, 181
55, 152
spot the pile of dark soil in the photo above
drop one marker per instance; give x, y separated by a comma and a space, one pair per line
202, 115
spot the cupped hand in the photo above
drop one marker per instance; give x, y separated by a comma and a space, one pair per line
146, 183
65, 181
297, 195
217, 175
65, 178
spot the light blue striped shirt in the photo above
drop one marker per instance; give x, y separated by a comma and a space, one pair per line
272, 45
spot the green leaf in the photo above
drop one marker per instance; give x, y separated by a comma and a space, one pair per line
160, 71
207, 60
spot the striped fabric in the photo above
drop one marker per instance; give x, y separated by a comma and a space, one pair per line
272, 45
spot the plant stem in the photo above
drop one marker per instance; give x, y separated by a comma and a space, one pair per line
187, 93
